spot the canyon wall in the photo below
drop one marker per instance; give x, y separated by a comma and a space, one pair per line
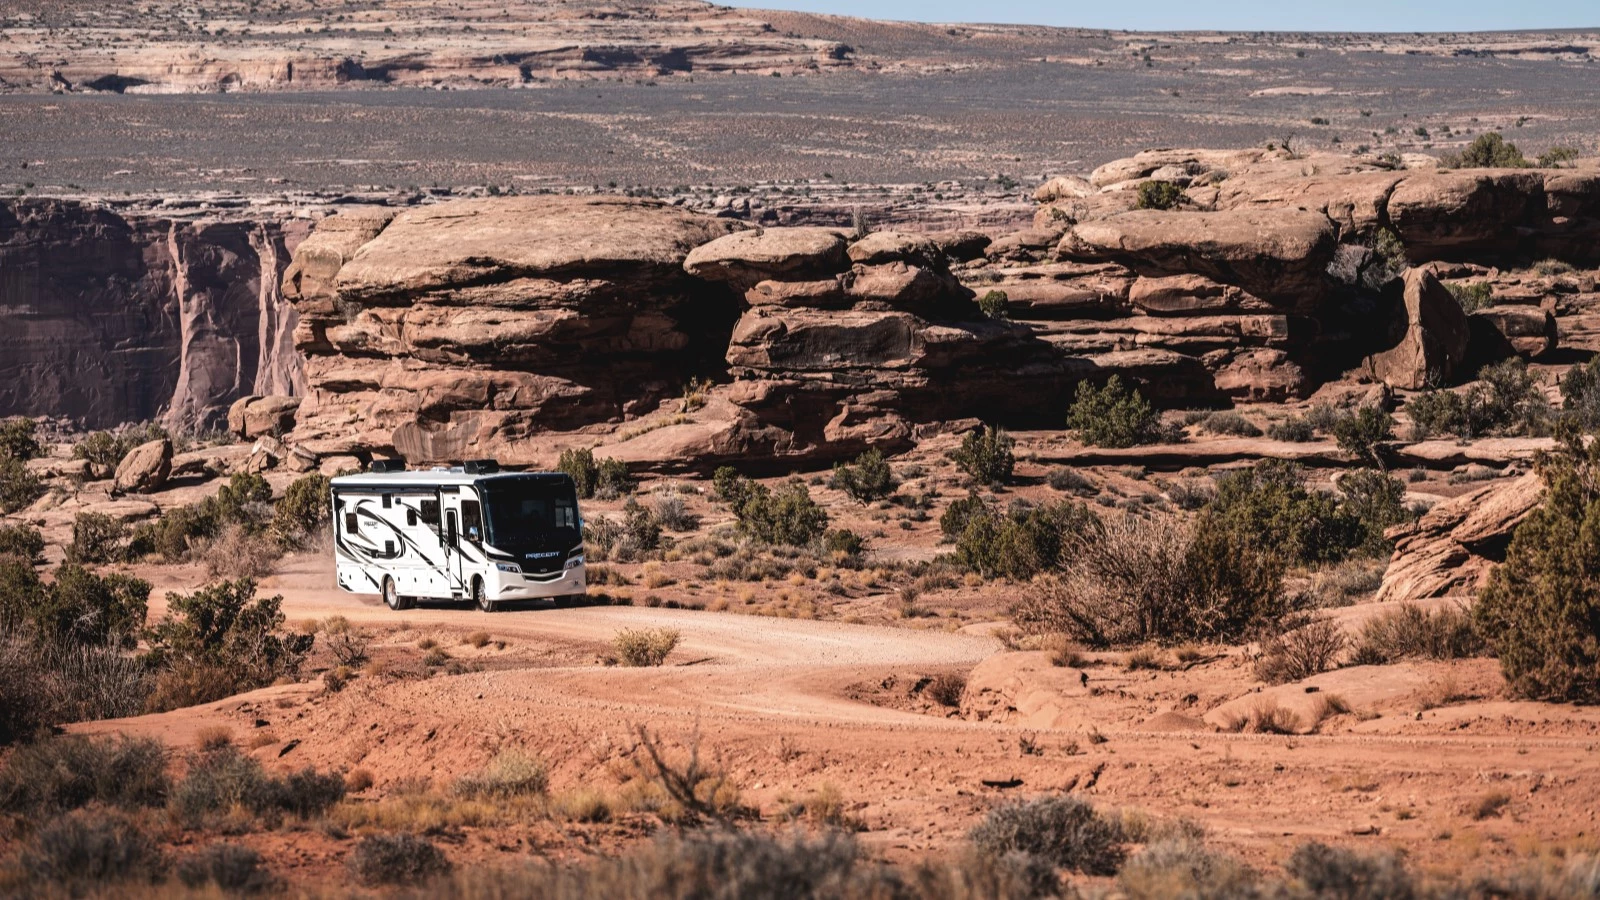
108, 318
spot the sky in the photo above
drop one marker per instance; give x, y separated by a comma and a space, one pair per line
1225, 15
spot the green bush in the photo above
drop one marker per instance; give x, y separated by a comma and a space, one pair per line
1390, 252
1377, 501
1065, 831
101, 450
18, 486
1580, 395
1271, 508
84, 849
785, 516
1540, 612
1230, 423
868, 480
81, 608
1112, 416
1506, 400
72, 771
579, 465
1159, 195
1472, 297
17, 439
953, 522
96, 538
1556, 156
641, 533
1487, 151
21, 541
221, 640
1024, 541
305, 507
842, 542
397, 859
1295, 430
1362, 431
993, 304
612, 479
986, 456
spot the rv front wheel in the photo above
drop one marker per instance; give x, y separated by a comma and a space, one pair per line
480, 597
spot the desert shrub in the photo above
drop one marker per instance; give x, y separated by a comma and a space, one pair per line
508, 776
1065, 831
1022, 542
644, 646
1487, 151
305, 507
1296, 430
1158, 195
1182, 866
612, 479
18, 486
1306, 648
349, 646
44, 684
1436, 412
239, 552
669, 510
397, 859
232, 868
20, 590
221, 779
1135, 580
1555, 157
601, 537
946, 689
641, 533
842, 542
786, 516
243, 499
1361, 431
1540, 612
867, 480
1377, 502
221, 640
1472, 297
1069, 481
986, 456
1390, 252
993, 304
1112, 416
1270, 506
17, 439
1323, 871
1580, 395
83, 849
953, 521
579, 465
21, 541
96, 538
81, 608
1410, 632
72, 771
101, 450
1228, 422
1506, 400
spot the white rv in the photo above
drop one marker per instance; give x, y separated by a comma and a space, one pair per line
468, 533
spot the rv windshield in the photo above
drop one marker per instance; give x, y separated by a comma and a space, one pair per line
530, 514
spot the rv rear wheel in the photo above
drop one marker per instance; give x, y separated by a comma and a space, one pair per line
391, 595
480, 597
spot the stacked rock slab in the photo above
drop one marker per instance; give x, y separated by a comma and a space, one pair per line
846, 345
460, 330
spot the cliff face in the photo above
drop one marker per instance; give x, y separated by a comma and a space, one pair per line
107, 318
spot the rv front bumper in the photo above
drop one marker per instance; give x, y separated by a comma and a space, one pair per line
518, 586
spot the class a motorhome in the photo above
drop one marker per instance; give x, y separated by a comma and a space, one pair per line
470, 533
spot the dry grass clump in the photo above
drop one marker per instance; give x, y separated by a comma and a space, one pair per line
1309, 647
509, 775
225, 784
946, 689
827, 806
84, 850
239, 552
72, 771
1328, 706
644, 646
1182, 866
1265, 717
231, 868
1489, 806
1410, 632
478, 639
1065, 832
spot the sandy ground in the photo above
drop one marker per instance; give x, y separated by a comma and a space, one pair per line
792, 705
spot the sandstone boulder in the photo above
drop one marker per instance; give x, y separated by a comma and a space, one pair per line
745, 258
1525, 330
1435, 339
146, 467
1063, 187
1441, 214
1277, 254
1452, 548
1192, 161
251, 417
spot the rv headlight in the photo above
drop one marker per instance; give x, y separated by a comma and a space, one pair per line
509, 567
574, 562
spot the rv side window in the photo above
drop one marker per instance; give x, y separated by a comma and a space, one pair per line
411, 518
386, 501
472, 520
428, 511
350, 525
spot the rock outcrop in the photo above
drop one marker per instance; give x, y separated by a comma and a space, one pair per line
110, 318
1435, 339
459, 330
1454, 545
146, 467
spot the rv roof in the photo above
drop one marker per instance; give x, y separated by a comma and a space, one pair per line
417, 478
